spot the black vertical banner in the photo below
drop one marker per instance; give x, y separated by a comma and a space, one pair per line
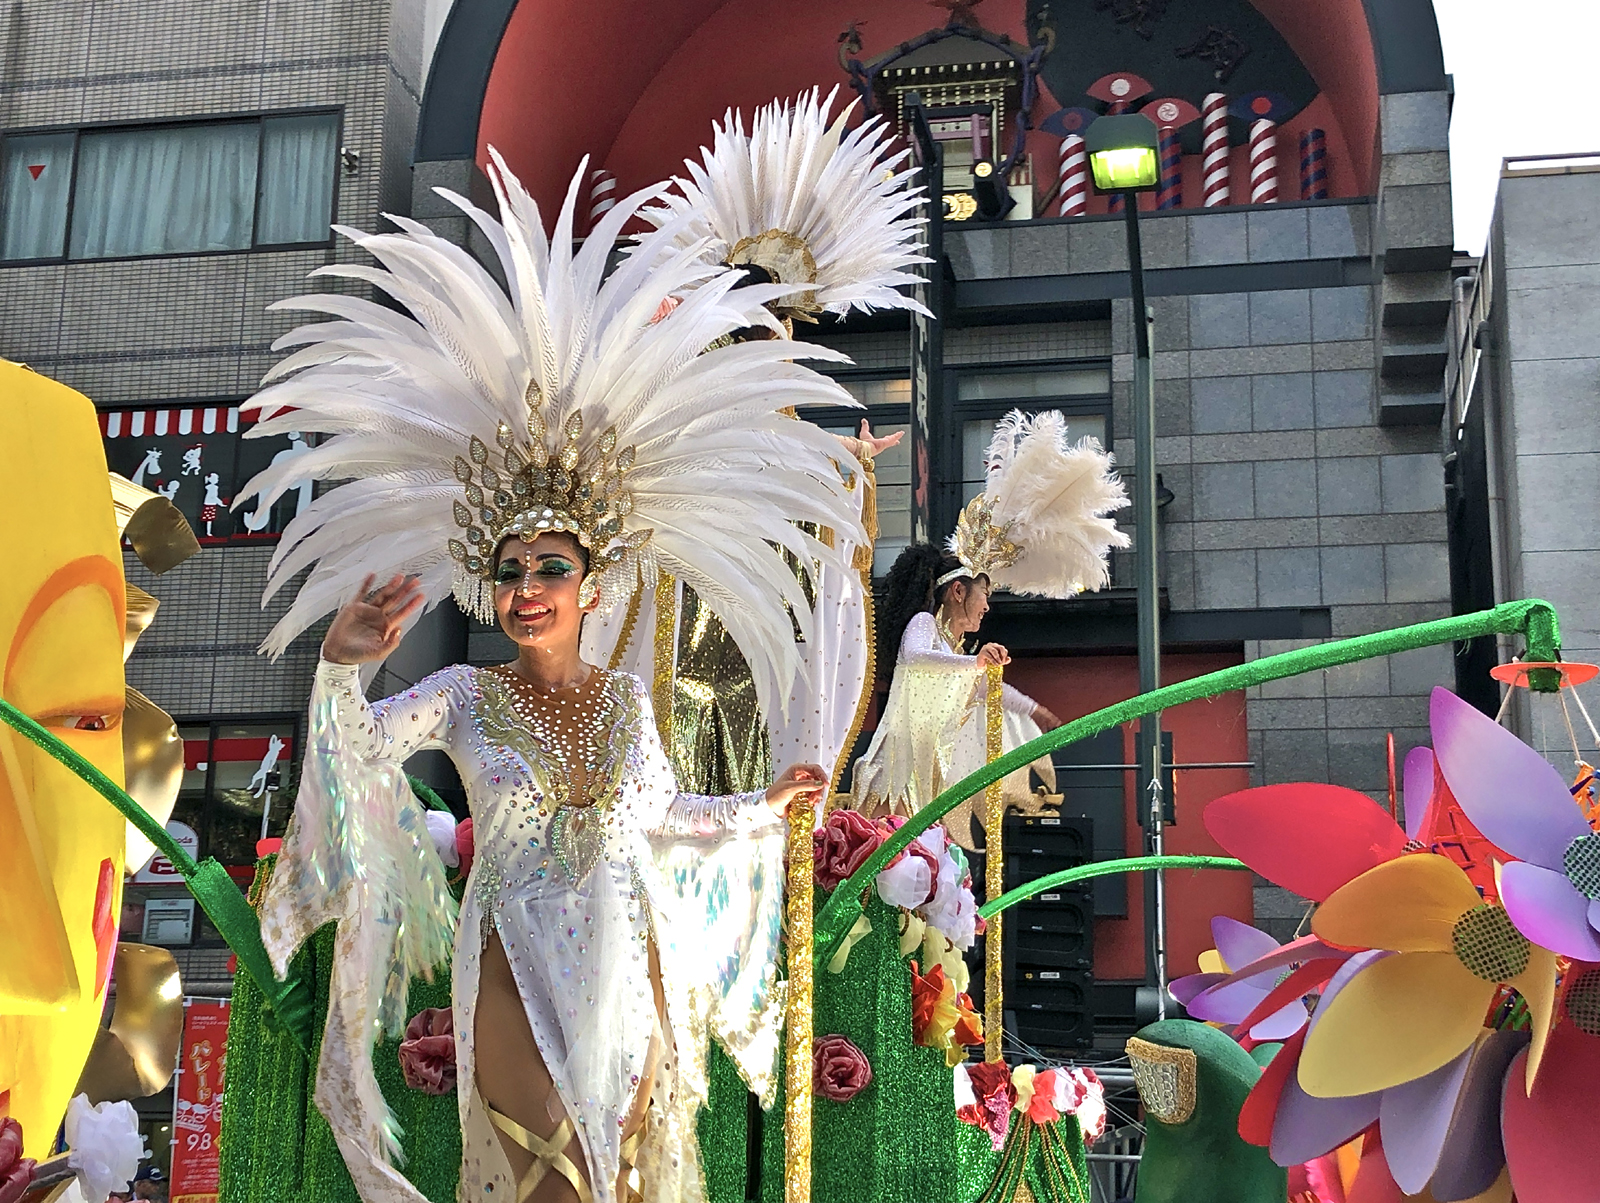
927, 333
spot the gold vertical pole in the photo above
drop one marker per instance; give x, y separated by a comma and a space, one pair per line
994, 878
798, 1034
666, 640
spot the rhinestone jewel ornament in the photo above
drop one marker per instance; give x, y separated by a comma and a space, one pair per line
979, 543
574, 489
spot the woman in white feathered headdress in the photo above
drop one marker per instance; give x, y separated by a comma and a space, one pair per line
1040, 527
543, 456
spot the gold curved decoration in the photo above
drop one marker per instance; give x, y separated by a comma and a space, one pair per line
798, 1029
135, 1057
160, 534
789, 260
152, 763
141, 613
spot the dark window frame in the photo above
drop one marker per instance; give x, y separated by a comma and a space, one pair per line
891, 413
948, 449
257, 116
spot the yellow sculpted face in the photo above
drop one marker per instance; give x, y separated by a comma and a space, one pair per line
62, 603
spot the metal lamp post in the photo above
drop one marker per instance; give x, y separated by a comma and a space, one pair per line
1123, 156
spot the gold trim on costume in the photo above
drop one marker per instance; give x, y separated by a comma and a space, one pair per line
666, 656
798, 1031
1165, 1078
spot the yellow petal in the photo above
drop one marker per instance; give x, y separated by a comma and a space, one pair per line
1538, 986
1211, 962
1399, 1018
1409, 904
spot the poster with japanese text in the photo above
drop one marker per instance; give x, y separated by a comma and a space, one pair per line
197, 1116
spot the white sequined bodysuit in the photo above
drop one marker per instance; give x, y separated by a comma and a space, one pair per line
576, 889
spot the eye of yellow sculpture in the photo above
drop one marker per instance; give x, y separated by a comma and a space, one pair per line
62, 610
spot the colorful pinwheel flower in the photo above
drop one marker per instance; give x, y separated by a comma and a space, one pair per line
1254, 967
1400, 1017
1552, 889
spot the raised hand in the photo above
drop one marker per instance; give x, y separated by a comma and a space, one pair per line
991, 654
876, 446
370, 625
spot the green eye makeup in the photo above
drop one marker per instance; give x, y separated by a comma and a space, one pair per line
508, 573
557, 568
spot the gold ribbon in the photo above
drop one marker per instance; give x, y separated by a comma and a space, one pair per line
666, 656
994, 877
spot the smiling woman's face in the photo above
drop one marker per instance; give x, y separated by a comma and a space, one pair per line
536, 592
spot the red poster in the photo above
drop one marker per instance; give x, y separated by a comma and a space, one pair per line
197, 1119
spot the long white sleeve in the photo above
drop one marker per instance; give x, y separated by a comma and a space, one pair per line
922, 647
392, 729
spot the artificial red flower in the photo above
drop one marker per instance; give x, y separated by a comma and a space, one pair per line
994, 1097
969, 1024
839, 1070
464, 846
843, 844
1042, 1106
925, 995
428, 1052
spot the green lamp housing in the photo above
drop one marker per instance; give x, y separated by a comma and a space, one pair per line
1122, 152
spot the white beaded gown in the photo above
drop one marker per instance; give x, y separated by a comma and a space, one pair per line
576, 888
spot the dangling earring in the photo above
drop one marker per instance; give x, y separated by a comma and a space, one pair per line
589, 590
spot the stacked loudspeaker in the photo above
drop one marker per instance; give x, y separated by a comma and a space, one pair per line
1049, 939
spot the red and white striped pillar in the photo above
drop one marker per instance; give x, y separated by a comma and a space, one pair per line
1313, 165
602, 194
1264, 163
1073, 176
1214, 150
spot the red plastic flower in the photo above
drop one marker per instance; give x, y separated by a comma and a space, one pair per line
16, 1171
839, 1070
464, 846
969, 1024
428, 1052
925, 995
843, 844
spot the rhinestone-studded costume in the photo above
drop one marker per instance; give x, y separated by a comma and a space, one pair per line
576, 883
932, 731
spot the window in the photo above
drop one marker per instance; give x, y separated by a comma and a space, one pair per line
169, 189
196, 457
1081, 392
233, 773
888, 403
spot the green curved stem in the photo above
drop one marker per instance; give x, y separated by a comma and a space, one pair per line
1535, 620
1104, 868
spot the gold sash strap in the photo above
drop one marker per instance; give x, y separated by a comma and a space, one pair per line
547, 1155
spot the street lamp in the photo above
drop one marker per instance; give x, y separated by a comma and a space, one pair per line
1122, 157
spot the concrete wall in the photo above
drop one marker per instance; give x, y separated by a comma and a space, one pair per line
1545, 406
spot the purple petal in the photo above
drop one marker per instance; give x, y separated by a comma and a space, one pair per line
1306, 1127
1472, 1156
1280, 1025
1229, 1001
1414, 1118
1238, 943
1549, 911
1508, 790
1416, 789
1342, 978
1185, 988
1594, 918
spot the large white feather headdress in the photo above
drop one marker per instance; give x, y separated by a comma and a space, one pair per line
561, 406
808, 201
1041, 525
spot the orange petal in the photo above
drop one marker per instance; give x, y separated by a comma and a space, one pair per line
1538, 986
1407, 905
1399, 1018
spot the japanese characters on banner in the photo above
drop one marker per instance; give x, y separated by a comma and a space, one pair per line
198, 458
197, 1116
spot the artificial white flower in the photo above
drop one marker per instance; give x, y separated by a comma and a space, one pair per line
105, 1145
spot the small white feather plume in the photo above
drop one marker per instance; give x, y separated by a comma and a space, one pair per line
1053, 499
843, 193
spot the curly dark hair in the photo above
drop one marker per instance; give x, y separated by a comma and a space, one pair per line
908, 591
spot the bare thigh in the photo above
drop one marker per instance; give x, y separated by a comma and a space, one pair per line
511, 1073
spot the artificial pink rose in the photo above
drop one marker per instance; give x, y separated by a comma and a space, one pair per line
843, 844
428, 1052
839, 1070
16, 1171
464, 846
994, 1096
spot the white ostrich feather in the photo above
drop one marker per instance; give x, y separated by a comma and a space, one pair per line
721, 476
1053, 498
841, 192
